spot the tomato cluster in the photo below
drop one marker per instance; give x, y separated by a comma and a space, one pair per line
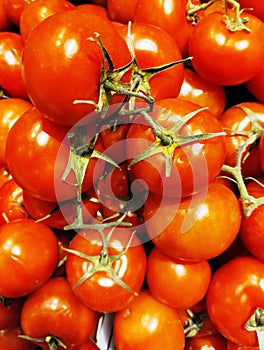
131, 174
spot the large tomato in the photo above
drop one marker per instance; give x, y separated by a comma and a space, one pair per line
229, 57
198, 228
61, 64
148, 324
235, 292
29, 252
113, 271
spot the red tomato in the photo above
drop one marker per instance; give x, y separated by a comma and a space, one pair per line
11, 50
5, 23
115, 272
154, 47
10, 310
217, 61
236, 289
252, 227
96, 9
47, 160
232, 346
11, 202
169, 16
53, 310
14, 9
38, 10
10, 110
255, 86
235, 122
121, 10
4, 176
87, 345
205, 94
70, 59
198, 228
148, 324
9, 340
212, 342
29, 252
177, 283
193, 165
254, 7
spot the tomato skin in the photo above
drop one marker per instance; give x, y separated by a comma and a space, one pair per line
11, 202
75, 63
154, 47
10, 314
177, 283
202, 92
29, 250
254, 7
255, 86
232, 346
121, 10
234, 293
38, 10
10, 110
87, 345
192, 230
192, 168
252, 228
54, 310
9, 340
168, 16
148, 324
11, 65
4, 176
100, 292
212, 342
217, 60
14, 9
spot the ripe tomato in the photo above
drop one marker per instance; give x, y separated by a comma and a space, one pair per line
205, 94
115, 271
87, 345
14, 9
29, 252
61, 46
254, 7
47, 159
11, 50
9, 340
192, 229
212, 342
154, 47
252, 228
232, 346
148, 324
10, 311
53, 310
255, 86
235, 291
121, 10
10, 110
38, 10
5, 22
193, 165
177, 283
217, 61
4, 176
169, 16
11, 202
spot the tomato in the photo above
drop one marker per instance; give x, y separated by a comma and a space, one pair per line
9, 340
11, 50
177, 283
217, 61
232, 346
11, 202
4, 176
252, 229
50, 150
113, 272
202, 92
212, 342
87, 345
53, 310
5, 23
235, 121
255, 86
234, 293
121, 10
169, 16
38, 10
193, 165
10, 110
67, 57
96, 9
10, 311
254, 7
154, 47
198, 228
29, 252
148, 324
